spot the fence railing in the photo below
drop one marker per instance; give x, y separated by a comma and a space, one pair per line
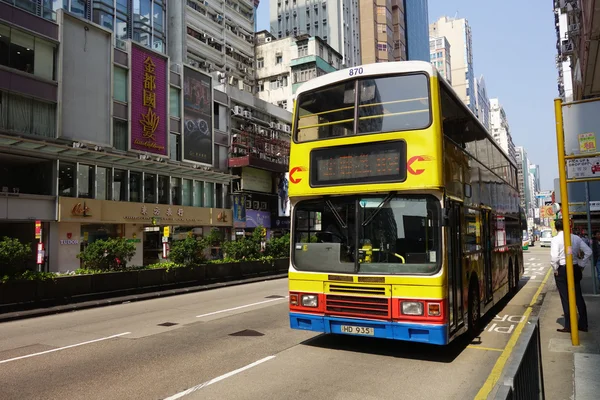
523, 376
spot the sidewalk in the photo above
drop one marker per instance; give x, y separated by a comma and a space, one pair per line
570, 372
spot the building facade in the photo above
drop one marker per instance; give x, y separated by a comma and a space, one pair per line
417, 30
482, 102
335, 22
458, 33
565, 47
376, 32
282, 65
439, 55
500, 129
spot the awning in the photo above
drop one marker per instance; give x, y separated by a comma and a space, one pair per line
58, 151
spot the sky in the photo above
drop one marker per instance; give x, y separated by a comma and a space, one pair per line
514, 46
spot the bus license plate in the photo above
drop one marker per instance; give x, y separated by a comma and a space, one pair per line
357, 330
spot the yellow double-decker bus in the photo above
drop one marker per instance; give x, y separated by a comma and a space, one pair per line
405, 212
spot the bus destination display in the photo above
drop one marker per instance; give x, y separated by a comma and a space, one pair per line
356, 164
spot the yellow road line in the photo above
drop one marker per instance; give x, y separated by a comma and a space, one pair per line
494, 376
472, 346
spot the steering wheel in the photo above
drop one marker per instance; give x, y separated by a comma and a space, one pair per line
342, 239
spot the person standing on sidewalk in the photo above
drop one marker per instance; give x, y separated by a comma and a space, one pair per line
559, 264
596, 251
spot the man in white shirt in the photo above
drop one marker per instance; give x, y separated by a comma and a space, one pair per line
558, 260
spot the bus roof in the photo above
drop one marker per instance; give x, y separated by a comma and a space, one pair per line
397, 67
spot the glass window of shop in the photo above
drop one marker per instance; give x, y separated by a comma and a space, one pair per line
176, 191
120, 185
27, 53
163, 189
175, 146
95, 232
120, 84
85, 181
187, 193
103, 183
174, 102
219, 195
209, 195
66, 179
20, 174
120, 134
135, 186
198, 193
149, 188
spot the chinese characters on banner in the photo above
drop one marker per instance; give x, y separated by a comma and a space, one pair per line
198, 117
587, 142
583, 168
149, 102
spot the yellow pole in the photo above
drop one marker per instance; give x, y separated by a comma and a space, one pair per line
564, 198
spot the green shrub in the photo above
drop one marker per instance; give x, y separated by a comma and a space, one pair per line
245, 248
188, 252
29, 276
13, 256
107, 255
278, 247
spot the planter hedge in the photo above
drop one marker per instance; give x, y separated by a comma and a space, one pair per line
115, 283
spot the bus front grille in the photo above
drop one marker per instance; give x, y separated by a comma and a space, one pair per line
366, 307
361, 290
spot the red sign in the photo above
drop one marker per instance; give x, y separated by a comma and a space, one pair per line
293, 179
414, 159
38, 229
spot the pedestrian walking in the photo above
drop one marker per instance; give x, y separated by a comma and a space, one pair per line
558, 261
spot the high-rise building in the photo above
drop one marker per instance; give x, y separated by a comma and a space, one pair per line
282, 65
500, 129
482, 102
535, 171
417, 33
458, 32
216, 37
335, 22
439, 55
525, 178
376, 32
565, 46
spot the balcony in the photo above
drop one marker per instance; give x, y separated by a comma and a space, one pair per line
255, 146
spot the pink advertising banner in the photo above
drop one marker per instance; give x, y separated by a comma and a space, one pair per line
148, 102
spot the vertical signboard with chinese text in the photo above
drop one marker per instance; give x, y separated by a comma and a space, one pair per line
198, 117
148, 102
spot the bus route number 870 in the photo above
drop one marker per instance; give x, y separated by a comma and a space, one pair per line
355, 71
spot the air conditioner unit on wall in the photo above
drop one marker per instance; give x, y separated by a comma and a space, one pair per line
268, 39
237, 110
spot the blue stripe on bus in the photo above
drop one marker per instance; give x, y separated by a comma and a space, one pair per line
433, 334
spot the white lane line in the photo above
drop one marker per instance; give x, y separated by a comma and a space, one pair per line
218, 379
240, 307
64, 348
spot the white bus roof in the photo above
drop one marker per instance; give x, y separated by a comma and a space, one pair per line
399, 67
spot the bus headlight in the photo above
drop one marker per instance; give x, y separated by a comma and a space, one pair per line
412, 308
310, 300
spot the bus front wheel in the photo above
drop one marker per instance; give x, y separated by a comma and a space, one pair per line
474, 309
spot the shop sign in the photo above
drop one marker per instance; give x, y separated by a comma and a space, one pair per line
69, 241
134, 240
256, 180
38, 229
81, 210
258, 218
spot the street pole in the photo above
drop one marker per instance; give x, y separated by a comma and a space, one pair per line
564, 197
590, 234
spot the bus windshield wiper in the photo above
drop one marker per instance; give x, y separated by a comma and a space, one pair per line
337, 216
384, 203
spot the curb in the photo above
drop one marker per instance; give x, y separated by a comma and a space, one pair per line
39, 312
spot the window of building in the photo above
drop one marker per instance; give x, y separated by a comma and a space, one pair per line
209, 188
79, 7
187, 193
135, 187
25, 115
198, 193
22, 51
163, 189
120, 185
176, 191
149, 188
302, 50
219, 195
85, 181
278, 59
174, 102
260, 63
103, 184
175, 146
120, 134
66, 179
103, 19
120, 84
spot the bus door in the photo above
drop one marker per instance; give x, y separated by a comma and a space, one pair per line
486, 243
455, 267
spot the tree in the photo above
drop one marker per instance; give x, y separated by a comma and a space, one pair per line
188, 252
107, 255
13, 256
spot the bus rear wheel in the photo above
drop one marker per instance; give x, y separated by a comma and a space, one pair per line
474, 309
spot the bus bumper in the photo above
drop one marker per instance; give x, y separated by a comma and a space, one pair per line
433, 334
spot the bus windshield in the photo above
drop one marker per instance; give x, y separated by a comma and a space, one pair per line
369, 235
384, 104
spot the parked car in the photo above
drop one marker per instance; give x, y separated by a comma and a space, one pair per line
546, 237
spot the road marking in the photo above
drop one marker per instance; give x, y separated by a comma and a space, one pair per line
64, 348
240, 307
494, 376
472, 346
218, 379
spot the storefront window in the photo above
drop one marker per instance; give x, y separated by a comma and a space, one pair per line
187, 193
26, 53
103, 182
219, 196
85, 181
176, 191
120, 185
66, 179
163, 189
135, 187
174, 102
209, 195
198, 193
20, 174
149, 188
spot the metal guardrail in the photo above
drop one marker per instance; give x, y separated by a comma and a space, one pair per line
523, 376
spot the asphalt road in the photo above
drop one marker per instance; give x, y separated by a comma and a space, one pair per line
235, 343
